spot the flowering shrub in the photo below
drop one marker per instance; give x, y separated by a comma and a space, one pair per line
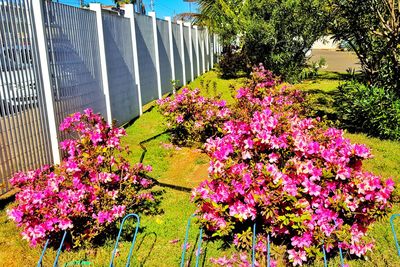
239, 260
87, 192
264, 88
301, 183
192, 117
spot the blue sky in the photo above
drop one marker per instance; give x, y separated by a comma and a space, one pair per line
163, 8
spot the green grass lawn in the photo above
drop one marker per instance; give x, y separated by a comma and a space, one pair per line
180, 169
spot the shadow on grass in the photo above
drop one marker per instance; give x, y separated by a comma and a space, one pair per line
172, 186
4, 201
154, 241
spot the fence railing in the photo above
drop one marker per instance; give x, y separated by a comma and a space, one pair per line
57, 59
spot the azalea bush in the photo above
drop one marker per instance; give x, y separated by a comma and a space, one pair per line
301, 183
88, 192
193, 118
262, 88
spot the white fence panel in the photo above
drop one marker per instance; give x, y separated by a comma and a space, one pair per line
24, 136
165, 57
176, 43
75, 60
120, 68
146, 58
202, 50
187, 50
195, 55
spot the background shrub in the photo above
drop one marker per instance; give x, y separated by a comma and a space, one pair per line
369, 109
88, 192
192, 118
232, 63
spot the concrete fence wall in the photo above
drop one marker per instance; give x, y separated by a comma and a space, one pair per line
57, 59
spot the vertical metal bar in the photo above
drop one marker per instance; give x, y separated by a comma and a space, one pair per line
186, 240
39, 264
50, 9
119, 236
199, 248
253, 247
268, 251
341, 256
55, 264
396, 241
324, 253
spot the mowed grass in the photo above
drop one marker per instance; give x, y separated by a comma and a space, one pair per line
179, 170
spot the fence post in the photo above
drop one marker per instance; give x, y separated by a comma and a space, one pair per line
171, 49
180, 23
130, 14
40, 31
103, 63
189, 25
207, 44
156, 53
196, 28
212, 54
202, 48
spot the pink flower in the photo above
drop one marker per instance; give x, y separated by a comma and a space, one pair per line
64, 224
297, 257
15, 215
179, 119
118, 211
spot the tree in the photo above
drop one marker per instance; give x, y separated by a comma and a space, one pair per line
372, 29
139, 6
275, 33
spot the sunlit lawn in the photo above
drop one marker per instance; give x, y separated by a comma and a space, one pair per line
180, 169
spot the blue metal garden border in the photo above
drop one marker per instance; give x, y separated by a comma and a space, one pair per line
81, 262
253, 250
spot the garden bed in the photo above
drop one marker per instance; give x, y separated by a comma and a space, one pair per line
179, 170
